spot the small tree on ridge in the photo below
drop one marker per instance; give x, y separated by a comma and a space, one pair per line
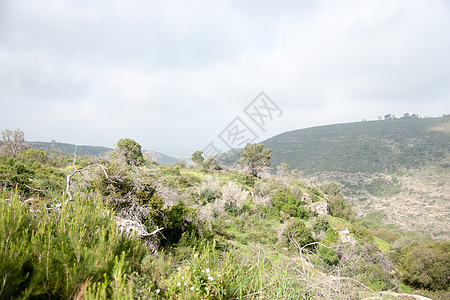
255, 158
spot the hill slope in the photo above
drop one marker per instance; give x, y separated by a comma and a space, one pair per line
396, 171
70, 148
92, 150
374, 146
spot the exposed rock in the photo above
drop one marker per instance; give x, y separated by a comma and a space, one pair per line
346, 238
320, 208
130, 227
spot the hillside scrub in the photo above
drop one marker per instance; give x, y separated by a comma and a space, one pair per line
59, 253
204, 233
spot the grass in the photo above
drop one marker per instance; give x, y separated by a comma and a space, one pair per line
241, 251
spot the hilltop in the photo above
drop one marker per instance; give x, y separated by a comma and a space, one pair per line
370, 147
392, 171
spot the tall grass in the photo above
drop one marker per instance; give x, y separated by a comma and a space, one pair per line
56, 254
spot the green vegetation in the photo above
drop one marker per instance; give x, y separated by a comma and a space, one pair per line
197, 157
140, 230
370, 147
58, 254
255, 158
131, 150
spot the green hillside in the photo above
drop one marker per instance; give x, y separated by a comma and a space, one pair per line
100, 228
374, 146
69, 148
91, 150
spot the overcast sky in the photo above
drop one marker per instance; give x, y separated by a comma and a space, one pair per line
174, 74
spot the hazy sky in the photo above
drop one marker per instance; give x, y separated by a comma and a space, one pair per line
174, 74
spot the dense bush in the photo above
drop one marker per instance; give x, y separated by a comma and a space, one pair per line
179, 221
297, 234
427, 265
341, 208
286, 203
366, 263
321, 224
55, 255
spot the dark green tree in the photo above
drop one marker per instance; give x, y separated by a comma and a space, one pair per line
427, 266
297, 234
211, 164
197, 157
131, 150
255, 158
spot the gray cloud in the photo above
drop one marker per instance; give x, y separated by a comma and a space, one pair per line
173, 74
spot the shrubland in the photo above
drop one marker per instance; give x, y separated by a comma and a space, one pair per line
134, 229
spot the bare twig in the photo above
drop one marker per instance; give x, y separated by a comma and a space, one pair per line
33, 189
151, 233
69, 177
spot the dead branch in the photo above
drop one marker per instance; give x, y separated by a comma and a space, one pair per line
34, 190
75, 171
151, 233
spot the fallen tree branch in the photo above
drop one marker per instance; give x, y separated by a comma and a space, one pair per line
151, 233
34, 190
69, 177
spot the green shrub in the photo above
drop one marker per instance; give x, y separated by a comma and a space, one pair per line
297, 232
244, 179
321, 224
315, 194
34, 155
179, 219
286, 203
427, 266
327, 255
54, 255
207, 195
361, 232
183, 182
367, 264
211, 165
340, 208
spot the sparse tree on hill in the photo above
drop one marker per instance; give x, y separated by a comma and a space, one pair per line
255, 158
152, 156
211, 164
197, 157
131, 150
283, 169
13, 142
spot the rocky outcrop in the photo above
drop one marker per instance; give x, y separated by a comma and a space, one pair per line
130, 227
319, 208
346, 238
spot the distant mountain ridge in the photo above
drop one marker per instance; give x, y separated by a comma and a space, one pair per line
90, 150
368, 146
70, 148
397, 170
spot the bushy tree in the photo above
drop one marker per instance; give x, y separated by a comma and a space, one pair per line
131, 150
13, 142
297, 234
197, 157
35, 155
283, 169
211, 164
255, 158
427, 266
341, 208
